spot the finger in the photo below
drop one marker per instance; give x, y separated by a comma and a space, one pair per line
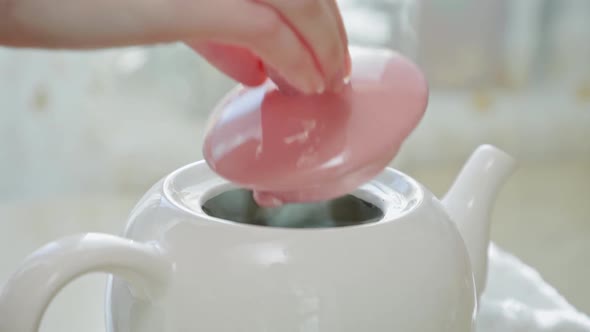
236, 62
343, 35
317, 25
263, 31
280, 82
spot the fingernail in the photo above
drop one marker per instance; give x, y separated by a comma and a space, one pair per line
339, 80
306, 84
347, 70
309, 87
348, 64
321, 88
300, 84
346, 79
316, 84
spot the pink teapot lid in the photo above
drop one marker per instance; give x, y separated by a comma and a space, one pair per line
293, 148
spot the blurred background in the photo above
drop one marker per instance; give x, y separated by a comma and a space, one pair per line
84, 134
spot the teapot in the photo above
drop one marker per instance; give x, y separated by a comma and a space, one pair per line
198, 255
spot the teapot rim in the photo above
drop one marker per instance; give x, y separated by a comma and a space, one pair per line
397, 194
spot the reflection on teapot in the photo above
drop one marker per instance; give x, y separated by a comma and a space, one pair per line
188, 262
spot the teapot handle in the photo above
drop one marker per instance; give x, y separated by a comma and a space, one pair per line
27, 293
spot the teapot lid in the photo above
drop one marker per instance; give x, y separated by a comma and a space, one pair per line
291, 148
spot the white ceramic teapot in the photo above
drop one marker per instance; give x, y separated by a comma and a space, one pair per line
197, 255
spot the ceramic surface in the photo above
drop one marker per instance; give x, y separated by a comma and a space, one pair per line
178, 269
289, 147
252, 278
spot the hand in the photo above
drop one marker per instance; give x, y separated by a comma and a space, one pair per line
304, 41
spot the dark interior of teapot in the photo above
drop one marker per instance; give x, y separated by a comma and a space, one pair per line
238, 205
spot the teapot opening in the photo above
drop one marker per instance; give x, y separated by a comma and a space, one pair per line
238, 205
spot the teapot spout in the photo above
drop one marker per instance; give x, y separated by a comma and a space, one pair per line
470, 200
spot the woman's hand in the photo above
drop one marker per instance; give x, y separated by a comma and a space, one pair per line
304, 41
